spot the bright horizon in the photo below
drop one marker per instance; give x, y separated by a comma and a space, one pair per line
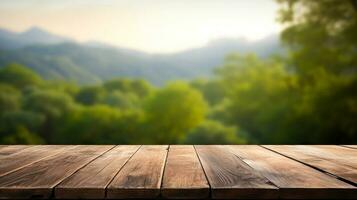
158, 26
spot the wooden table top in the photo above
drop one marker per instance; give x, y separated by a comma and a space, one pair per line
178, 171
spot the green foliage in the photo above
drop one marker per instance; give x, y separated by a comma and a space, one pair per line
21, 136
330, 105
98, 124
322, 37
9, 98
320, 34
19, 76
213, 132
50, 103
173, 111
119, 111
139, 87
122, 100
90, 95
69, 88
261, 94
212, 90
10, 121
307, 96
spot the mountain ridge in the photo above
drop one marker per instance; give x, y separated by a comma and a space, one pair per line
31, 36
57, 57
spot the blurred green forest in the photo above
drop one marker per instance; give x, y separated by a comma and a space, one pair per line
305, 96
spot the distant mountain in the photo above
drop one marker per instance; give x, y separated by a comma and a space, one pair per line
32, 36
56, 57
201, 61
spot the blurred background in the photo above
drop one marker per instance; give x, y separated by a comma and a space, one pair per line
178, 72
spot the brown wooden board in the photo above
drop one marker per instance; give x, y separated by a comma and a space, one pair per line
329, 160
231, 178
347, 156
183, 172
28, 156
38, 179
141, 176
295, 180
351, 146
6, 150
91, 181
184, 177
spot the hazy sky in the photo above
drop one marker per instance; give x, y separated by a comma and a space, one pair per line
149, 25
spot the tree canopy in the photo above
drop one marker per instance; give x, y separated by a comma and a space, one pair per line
306, 95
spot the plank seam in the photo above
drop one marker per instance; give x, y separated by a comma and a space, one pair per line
163, 171
106, 191
11, 154
241, 159
347, 147
17, 169
53, 188
204, 172
311, 166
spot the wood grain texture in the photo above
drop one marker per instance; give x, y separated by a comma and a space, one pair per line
91, 181
231, 178
141, 176
38, 179
351, 146
184, 177
183, 172
329, 160
6, 150
28, 156
295, 180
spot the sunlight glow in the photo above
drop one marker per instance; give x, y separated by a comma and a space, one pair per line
150, 25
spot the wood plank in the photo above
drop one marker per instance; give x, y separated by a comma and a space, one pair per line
184, 177
295, 180
38, 179
141, 175
351, 146
6, 150
230, 177
28, 156
90, 182
332, 162
347, 156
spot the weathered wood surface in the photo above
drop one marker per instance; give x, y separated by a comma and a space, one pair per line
184, 177
38, 179
351, 146
295, 180
21, 159
141, 176
178, 172
230, 177
90, 182
339, 161
6, 150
